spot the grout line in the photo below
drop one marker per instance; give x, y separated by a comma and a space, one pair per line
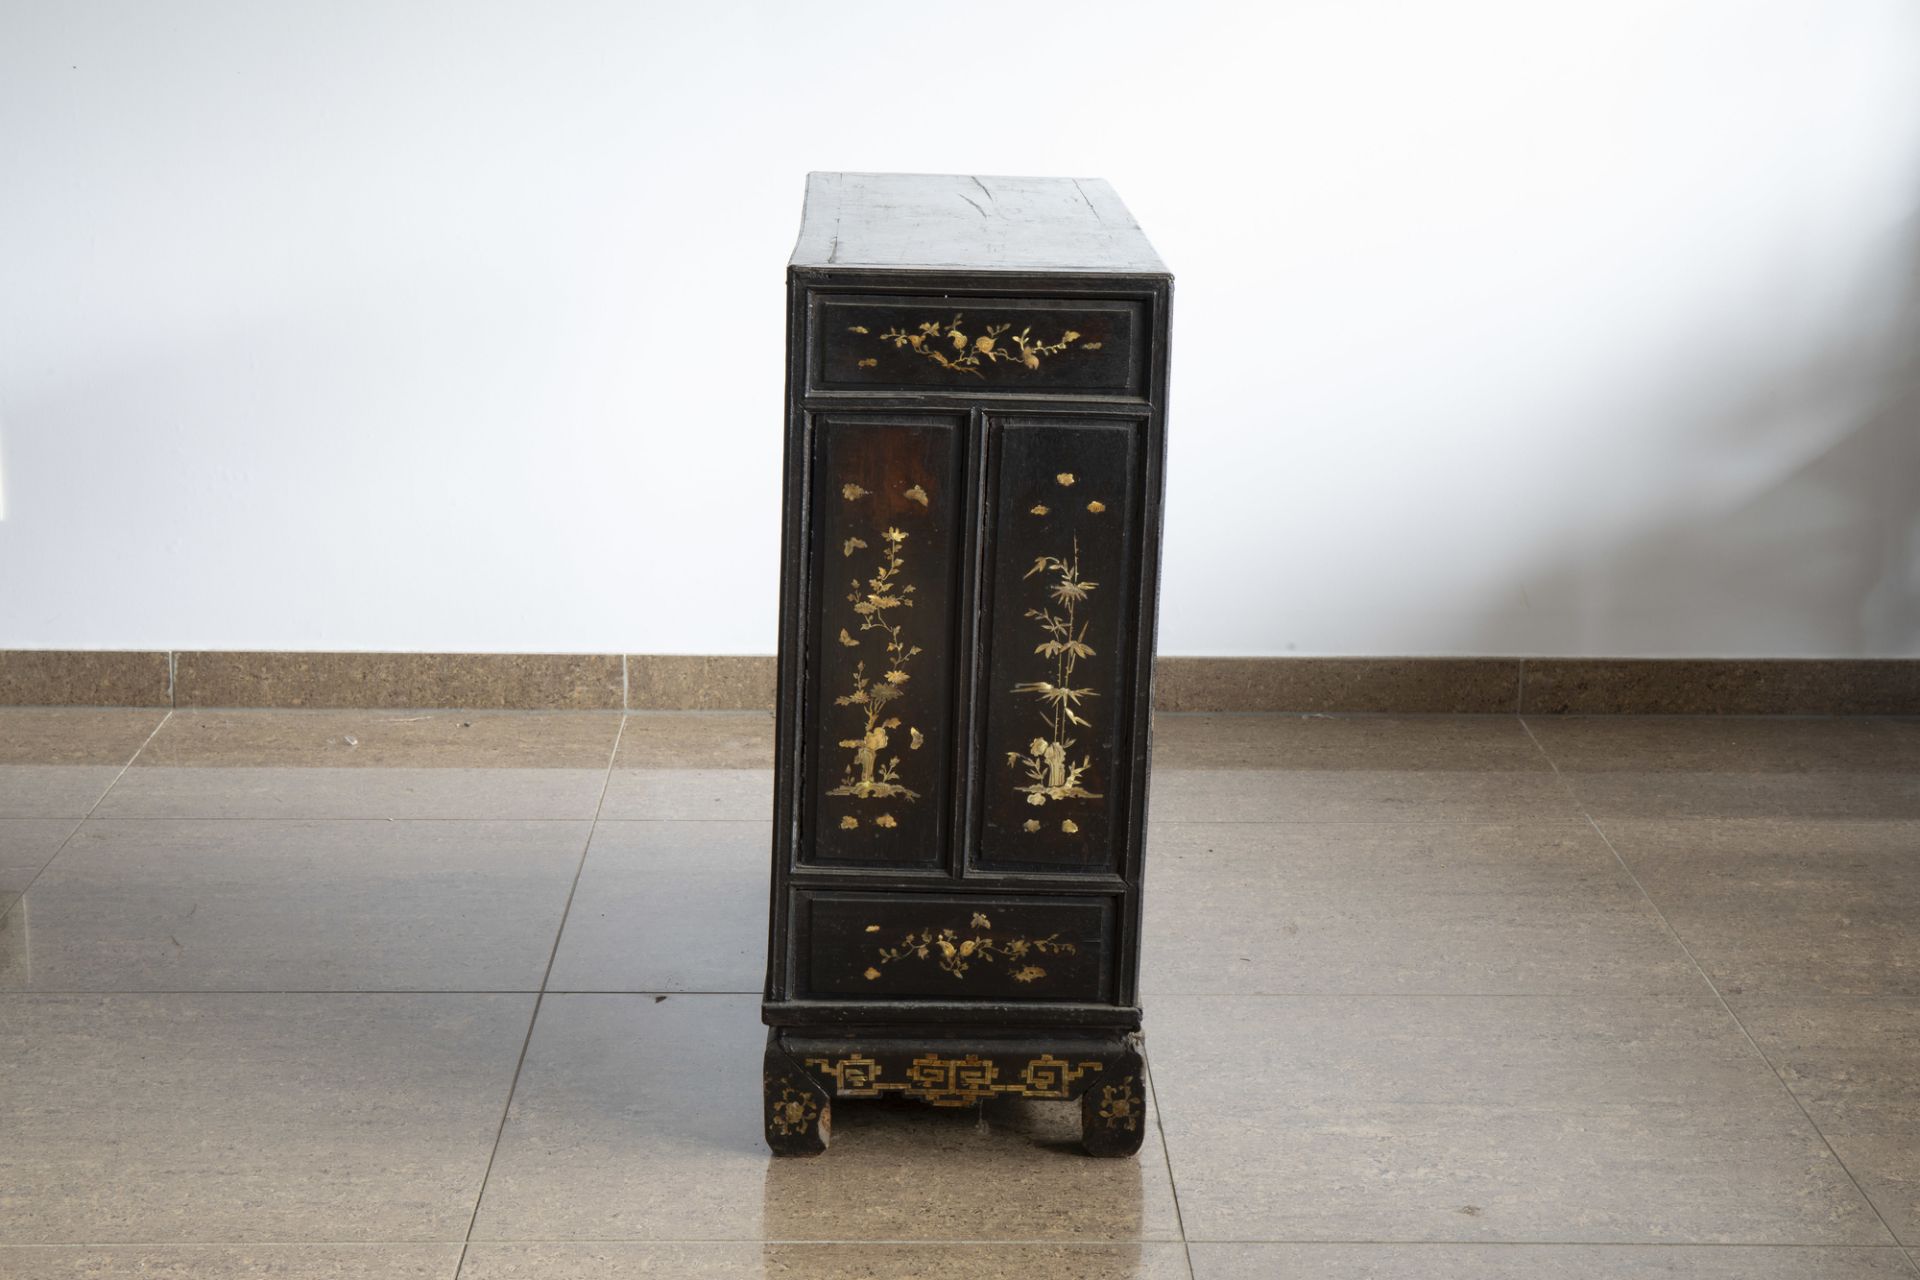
1655, 998
935, 1243
1542, 820
1536, 820
507, 818
363, 991
1166, 1156
1570, 1244
98, 801
1755, 1045
1209, 685
1579, 807
126, 816
1548, 757
533, 1019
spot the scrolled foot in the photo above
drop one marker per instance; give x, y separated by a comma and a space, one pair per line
1113, 1111
798, 1111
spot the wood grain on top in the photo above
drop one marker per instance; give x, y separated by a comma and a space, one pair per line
966, 223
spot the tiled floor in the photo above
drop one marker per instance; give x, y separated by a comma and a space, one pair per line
370, 994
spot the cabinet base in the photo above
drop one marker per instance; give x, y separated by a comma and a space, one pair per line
803, 1074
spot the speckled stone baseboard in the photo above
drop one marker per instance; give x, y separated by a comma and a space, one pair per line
1455, 685
1721, 686
684, 682
1544, 686
85, 678
547, 681
658, 682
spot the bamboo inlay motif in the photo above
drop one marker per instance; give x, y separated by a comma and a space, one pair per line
1051, 772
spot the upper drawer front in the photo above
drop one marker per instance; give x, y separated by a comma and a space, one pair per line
1017, 346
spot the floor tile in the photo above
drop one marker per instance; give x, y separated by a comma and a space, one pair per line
53, 790
1261, 768
73, 735
231, 1262
1855, 1066
696, 740
164, 905
1727, 744
370, 764
1138, 1261
638, 1117
1784, 907
1353, 795
1366, 744
229, 1118
1296, 684
292, 793
669, 906
13, 943
1720, 686
1542, 1262
690, 795
385, 740
26, 845
1395, 1119
1387, 908
1736, 767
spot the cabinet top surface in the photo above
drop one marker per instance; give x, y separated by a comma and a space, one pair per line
959, 222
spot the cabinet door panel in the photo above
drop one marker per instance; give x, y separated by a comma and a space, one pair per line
889, 506
1065, 539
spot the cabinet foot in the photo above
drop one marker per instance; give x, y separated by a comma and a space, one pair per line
1113, 1111
1102, 1072
799, 1113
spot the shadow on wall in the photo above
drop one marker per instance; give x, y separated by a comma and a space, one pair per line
1813, 495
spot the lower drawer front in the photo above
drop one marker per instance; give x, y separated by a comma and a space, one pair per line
948, 947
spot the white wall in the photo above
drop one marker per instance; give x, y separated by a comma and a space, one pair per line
1567, 328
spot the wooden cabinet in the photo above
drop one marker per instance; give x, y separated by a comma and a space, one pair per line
976, 389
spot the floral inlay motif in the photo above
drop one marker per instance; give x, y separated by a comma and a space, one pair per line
951, 347
1120, 1105
793, 1111
871, 774
955, 954
1051, 773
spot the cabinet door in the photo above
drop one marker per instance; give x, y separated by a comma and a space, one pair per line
888, 505
1063, 604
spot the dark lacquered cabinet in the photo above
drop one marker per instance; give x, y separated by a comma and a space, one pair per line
976, 389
